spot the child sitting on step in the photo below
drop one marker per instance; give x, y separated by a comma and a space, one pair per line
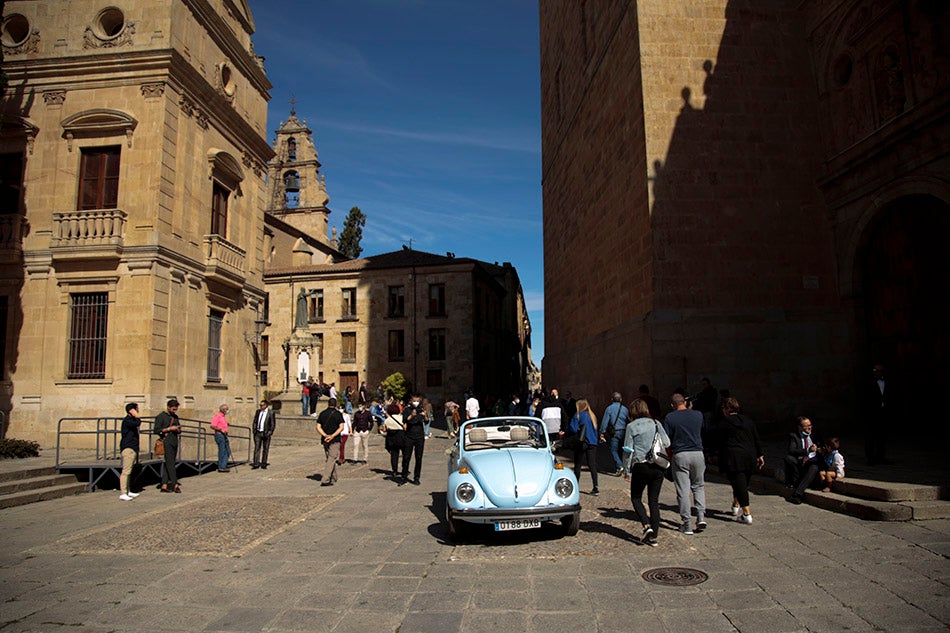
832, 463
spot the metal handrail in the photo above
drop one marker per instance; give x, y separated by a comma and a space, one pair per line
108, 436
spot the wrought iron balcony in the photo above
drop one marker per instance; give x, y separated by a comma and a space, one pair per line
224, 262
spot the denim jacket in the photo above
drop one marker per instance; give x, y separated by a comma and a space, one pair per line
618, 418
639, 439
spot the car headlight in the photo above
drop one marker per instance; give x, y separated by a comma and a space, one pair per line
466, 492
564, 488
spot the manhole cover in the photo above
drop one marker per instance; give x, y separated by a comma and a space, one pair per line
675, 576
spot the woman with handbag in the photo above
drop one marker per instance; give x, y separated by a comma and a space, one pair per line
584, 428
740, 454
644, 468
396, 443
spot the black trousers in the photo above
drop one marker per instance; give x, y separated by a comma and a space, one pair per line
261, 448
415, 445
739, 480
170, 472
649, 477
587, 453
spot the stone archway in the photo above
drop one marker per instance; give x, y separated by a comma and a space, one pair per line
903, 268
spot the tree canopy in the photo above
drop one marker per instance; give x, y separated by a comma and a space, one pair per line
352, 233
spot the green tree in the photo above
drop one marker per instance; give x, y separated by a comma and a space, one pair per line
352, 233
396, 385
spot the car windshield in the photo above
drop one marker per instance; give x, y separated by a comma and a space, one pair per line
504, 433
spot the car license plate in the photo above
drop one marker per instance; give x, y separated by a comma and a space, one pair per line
517, 524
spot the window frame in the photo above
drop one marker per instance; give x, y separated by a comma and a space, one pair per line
97, 160
396, 301
437, 304
220, 195
88, 341
345, 336
215, 330
437, 346
315, 310
396, 346
348, 304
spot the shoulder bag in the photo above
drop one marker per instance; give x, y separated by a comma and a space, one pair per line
657, 454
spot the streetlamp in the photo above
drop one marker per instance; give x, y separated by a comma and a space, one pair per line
254, 340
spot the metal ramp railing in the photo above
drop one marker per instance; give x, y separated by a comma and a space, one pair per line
92, 445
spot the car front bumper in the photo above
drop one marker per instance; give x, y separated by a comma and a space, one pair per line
491, 515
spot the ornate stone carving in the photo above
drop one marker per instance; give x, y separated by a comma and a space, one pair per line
92, 39
30, 45
153, 90
186, 104
54, 97
201, 118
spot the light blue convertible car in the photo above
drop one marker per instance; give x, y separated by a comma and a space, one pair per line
502, 472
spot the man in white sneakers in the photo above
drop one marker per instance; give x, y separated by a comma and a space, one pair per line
129, 449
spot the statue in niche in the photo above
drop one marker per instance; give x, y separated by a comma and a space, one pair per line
301, 316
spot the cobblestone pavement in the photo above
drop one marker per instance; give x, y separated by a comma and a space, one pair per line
272, 550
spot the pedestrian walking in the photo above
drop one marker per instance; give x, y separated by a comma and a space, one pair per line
264, 425
584, 424
415, 421
684, 426
362, 425
329, 426
612, 429
641, 472
740, 454
396, 444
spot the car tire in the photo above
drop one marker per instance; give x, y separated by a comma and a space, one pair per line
456, 527
571, 523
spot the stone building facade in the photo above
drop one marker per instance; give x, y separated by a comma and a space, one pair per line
448, 324
132, 227
761, 186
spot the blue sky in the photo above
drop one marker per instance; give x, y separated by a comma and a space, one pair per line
426, 115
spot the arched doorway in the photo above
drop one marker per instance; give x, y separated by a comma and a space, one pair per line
905, 308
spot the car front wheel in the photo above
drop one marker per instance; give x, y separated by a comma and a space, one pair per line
571, 523
456, 527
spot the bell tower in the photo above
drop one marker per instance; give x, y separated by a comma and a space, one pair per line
296, 191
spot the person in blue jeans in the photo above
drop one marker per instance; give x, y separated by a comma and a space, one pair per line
612, 428
219, 424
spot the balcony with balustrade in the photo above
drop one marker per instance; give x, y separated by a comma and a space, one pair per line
224, 262
88, 235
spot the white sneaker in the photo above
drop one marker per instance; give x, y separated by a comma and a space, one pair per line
134, 494
126, 497
736, 510
744, 518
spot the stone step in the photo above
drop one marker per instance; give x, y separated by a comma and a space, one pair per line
33, 483
41, 494
27, 473
867, 509
889, 491
926, 510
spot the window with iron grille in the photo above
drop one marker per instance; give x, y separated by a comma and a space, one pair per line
89, 321
349, 303
397, 345
437, 344
215, 322
348, 347
436, 299
219, 210
397, 301
99, 178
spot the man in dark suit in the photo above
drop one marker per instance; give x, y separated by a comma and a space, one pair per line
879, 401
263, 426
801, 460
